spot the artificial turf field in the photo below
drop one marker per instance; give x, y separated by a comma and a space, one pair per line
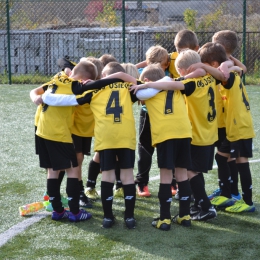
229, 236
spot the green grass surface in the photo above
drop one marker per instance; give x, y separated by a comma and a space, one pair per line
229, 236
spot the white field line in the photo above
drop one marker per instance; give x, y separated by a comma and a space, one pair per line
20, 227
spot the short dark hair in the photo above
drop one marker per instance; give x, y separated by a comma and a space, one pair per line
106, 58
186, 39
113, 67
211, 52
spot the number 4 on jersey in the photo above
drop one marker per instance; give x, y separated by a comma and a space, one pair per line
113, 107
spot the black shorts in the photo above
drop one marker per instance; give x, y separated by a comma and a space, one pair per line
174, 153
108, 157
56, 155
240, 148
202, 158
82, 144
221, 136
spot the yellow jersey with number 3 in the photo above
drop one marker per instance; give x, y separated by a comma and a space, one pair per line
201, 102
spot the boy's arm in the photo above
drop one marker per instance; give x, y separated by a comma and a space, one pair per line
238, 63
123, 76
79, 88
59, 99
141, 64
144, 94
217, 74
35, 95
161, 85
199, 72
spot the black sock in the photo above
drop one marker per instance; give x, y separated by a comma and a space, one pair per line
93, 171
201, 175
61, 176
234, 177
107, 198
81, 186
165, 198
224, 175
199, 192
72, 190
117, 172
246, 182
130, 196
185, 195
54, 194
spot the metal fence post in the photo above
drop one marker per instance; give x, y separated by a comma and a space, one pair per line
244, 37
8, 42
123, 28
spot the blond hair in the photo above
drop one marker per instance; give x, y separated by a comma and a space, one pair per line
152, 72
156, 54
131, 69
186, 58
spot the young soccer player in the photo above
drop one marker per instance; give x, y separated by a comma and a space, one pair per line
239, 134
114, 139
106, 58
171, 137
185, 39
200, 96
56, 151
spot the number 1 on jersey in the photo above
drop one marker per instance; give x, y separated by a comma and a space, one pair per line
113, 107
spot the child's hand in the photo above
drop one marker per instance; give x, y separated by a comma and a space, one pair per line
135, 88
86, 81
38, 100
224, 69
195, 66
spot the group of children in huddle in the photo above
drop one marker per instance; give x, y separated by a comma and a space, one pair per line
193, 100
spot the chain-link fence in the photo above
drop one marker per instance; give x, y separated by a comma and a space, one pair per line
34, 34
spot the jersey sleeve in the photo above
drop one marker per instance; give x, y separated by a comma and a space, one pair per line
189, 87
229, 83
79, 88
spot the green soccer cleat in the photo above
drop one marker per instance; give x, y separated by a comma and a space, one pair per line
164, 225
91, 193
183, 221
222, 202
240, 206
119, 193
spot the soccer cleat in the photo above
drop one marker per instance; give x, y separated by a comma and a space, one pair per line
143, 191
81, 216
205, 215
58, 216
108, 222
194, 210
240, 206
174, 191
215, 193
119, 193
91, 193
130, 223
84, 201
222, 202
236, 197
164, 225
183, 221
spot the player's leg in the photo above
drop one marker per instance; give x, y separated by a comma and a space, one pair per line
93, 171
107, 164
126, 159
145, 151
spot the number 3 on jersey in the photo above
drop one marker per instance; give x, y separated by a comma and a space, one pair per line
113, 106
